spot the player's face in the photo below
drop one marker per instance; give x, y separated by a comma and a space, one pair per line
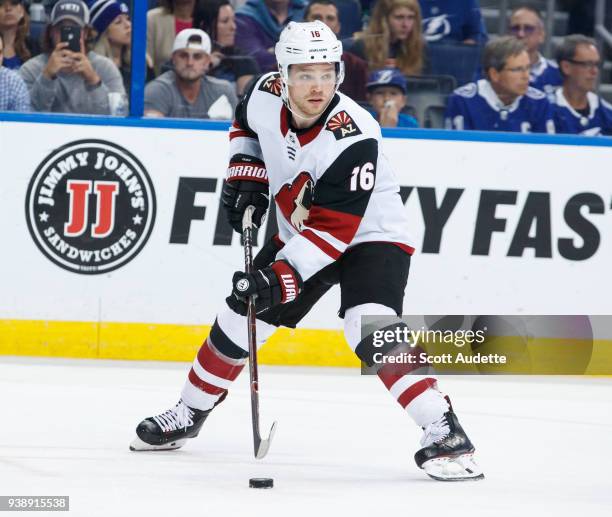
513, 79
583, 70
311, 87
527, 27
382, 95
328, 14
190, 64
401, 22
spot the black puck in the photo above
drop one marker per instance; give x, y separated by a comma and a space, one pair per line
261, 483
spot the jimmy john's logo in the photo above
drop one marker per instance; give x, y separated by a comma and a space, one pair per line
272, 85
90, 206
342, 125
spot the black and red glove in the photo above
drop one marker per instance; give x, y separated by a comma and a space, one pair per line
271, 286
246, 184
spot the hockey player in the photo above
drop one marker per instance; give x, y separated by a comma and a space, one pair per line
503, 101
341, 220
578, 109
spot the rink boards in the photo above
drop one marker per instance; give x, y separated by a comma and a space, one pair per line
114, 245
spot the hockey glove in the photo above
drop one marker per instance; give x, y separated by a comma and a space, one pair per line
238, 194
270, 286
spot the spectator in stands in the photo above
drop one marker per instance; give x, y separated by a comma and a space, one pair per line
387, 97
14, 94
393, 37
216, 18
163, 24
526, 24
453, 21
186, 91
259, 24
60, 80
578, 109
113, 27
356, 69
14, 28
503, 101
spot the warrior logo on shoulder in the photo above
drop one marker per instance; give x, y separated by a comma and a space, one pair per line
295, 200
342, 125
272, 85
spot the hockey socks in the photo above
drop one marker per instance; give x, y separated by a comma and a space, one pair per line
217, 364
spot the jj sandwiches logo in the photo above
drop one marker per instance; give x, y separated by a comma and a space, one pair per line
90, 206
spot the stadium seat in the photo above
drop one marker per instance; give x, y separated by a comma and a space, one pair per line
36, 31
349, 12
426, 98
460, 61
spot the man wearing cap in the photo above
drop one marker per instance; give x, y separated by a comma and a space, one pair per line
65, 81
387, 97
186, 91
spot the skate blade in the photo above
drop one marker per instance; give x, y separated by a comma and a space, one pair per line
460, 468
138, 445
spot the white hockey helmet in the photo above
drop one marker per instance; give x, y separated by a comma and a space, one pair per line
308, 43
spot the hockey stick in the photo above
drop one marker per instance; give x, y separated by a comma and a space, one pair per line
260, 446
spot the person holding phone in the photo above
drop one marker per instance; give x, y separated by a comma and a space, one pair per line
67, 78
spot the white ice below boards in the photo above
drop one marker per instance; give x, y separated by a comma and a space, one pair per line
343, 446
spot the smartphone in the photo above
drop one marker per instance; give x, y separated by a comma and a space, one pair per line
71, 34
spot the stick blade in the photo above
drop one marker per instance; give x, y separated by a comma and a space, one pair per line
264, 445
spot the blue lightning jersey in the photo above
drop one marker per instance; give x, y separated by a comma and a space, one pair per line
477, 106
568, 120
452, 20
545, 76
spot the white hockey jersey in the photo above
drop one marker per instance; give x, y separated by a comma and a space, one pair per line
332, 185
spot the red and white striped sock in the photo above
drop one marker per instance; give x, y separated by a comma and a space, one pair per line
417, 394
210, 376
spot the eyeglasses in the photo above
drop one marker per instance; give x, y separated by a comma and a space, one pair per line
527, 30
586, 64
517, 69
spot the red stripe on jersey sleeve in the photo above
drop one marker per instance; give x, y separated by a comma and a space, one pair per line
341, 225
240, 132
323, 245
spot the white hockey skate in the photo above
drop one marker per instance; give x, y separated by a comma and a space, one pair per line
447, 453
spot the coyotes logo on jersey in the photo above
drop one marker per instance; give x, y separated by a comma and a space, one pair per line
272, 85
342, 125
295, 200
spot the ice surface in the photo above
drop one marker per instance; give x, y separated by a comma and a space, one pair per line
343, 446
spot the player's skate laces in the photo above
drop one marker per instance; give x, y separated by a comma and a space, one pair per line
447, 453
170, 429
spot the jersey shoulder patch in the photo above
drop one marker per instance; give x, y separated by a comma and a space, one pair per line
342, 125
468, 91
271, 84
535, 94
